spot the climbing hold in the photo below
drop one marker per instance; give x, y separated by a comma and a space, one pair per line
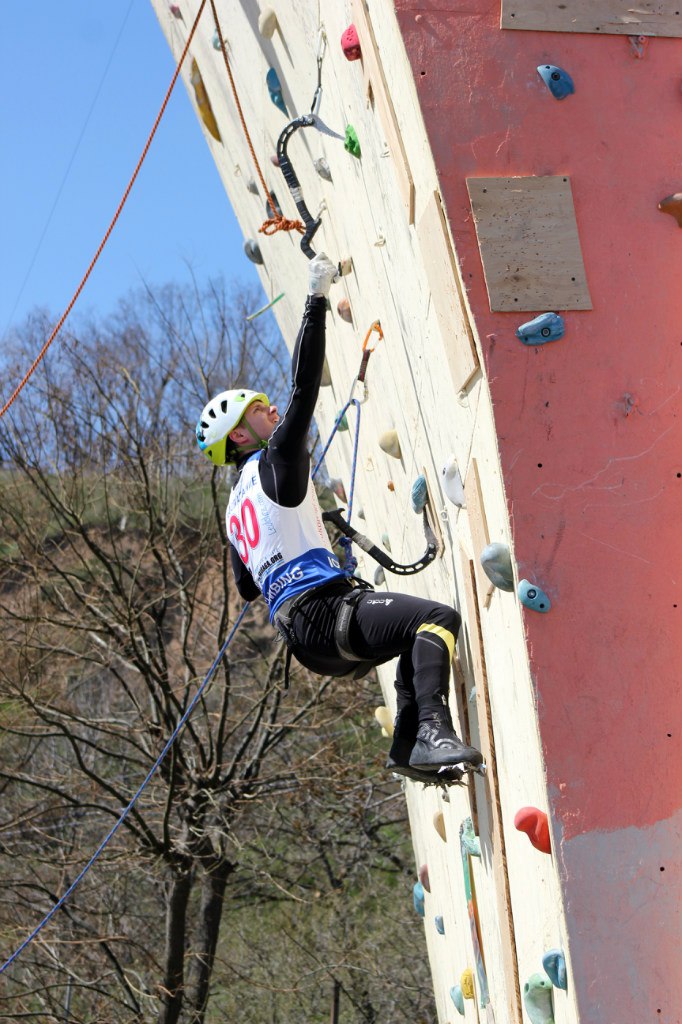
267, 22
439, 825
175, 11
274, 160
390, 443
275, 89
468, 839
268, 209
638, 45
457, 998
346, 266
344, 310
352, 143
558, 81
252, 250
424, 877
544, 328
534, 823
203, 102
497, 566
554, 963
350, 44
533, 597
419, 495
341, 422
217, 45
360, 512
386, 541
440, 925
672, 205
451, 482
390, 485
466, 983
418, 898
322, 168
339, 490
379, 576
252, 186
326, 378
537, 998
383, 717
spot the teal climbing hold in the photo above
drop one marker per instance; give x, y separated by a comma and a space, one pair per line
252, 251
544, 328
352, 143
386, 542
554, 963
440, 925
558, 81
216, 41
533, 597
457, 998
497, 566
468, 838
418, 898
341, 422
419, 494
275, 89
537, 998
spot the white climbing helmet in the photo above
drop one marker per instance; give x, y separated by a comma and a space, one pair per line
219, 418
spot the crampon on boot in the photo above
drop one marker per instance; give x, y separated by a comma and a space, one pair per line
438, 746
404, 737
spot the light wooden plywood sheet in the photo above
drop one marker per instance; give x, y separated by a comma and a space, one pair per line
377, 91
493, 803
478, 525
528, 237
446, 292
611, 17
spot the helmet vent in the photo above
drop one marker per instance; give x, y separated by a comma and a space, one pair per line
204, 425
211, 413
223, 405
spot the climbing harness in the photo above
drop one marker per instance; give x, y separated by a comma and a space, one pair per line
62, 320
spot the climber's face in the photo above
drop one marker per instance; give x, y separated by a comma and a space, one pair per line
261, 418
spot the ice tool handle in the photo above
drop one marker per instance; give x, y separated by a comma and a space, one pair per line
334, 516
311, 223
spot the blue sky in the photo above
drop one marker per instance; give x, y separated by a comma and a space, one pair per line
81, 83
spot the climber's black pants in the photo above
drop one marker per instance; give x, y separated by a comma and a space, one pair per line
419, 632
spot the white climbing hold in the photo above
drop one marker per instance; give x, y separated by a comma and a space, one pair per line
451, 482
390, 443
252, 186
379, 576
386, 542
497, 565
384, 718
267, 22
322, 168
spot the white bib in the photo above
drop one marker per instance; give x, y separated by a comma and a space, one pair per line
286, 550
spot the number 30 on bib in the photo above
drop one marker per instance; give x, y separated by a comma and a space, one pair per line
245, 532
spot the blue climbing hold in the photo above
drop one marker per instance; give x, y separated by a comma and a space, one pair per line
533, 597
252, 251
544, 328
418, 898
440, 925
496, 562
419, 494
558, 81
554, 963
457, 998
275, 89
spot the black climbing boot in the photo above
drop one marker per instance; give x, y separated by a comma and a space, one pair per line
404, 737
437, 744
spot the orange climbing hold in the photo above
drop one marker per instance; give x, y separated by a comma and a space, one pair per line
534, 823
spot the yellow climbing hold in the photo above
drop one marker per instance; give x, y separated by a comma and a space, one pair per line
390, 443
383, 717
439, 825
267, 22
203, 102
466, 983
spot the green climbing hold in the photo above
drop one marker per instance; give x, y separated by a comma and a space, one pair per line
537, 998
497, 565
352, 143
341, 422
468, 838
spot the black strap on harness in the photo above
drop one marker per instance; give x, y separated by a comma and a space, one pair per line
378, 554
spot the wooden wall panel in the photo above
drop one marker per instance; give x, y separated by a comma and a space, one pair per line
478, 525
528, 239
611, 17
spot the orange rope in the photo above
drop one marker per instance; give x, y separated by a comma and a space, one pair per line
277, 222
104, 241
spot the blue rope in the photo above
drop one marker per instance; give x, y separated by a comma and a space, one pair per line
350, 562
100, 849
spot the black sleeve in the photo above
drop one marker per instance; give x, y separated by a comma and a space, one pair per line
285, 465
246, 585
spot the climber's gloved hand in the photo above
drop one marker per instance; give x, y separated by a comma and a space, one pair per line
321, 274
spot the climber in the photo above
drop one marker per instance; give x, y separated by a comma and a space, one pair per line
333, 624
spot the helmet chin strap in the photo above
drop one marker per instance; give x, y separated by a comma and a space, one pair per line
258, 441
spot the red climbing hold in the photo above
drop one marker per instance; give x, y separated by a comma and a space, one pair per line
424, 877
350, 44
534, 823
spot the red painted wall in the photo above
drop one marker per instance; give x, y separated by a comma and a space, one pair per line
594, 486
